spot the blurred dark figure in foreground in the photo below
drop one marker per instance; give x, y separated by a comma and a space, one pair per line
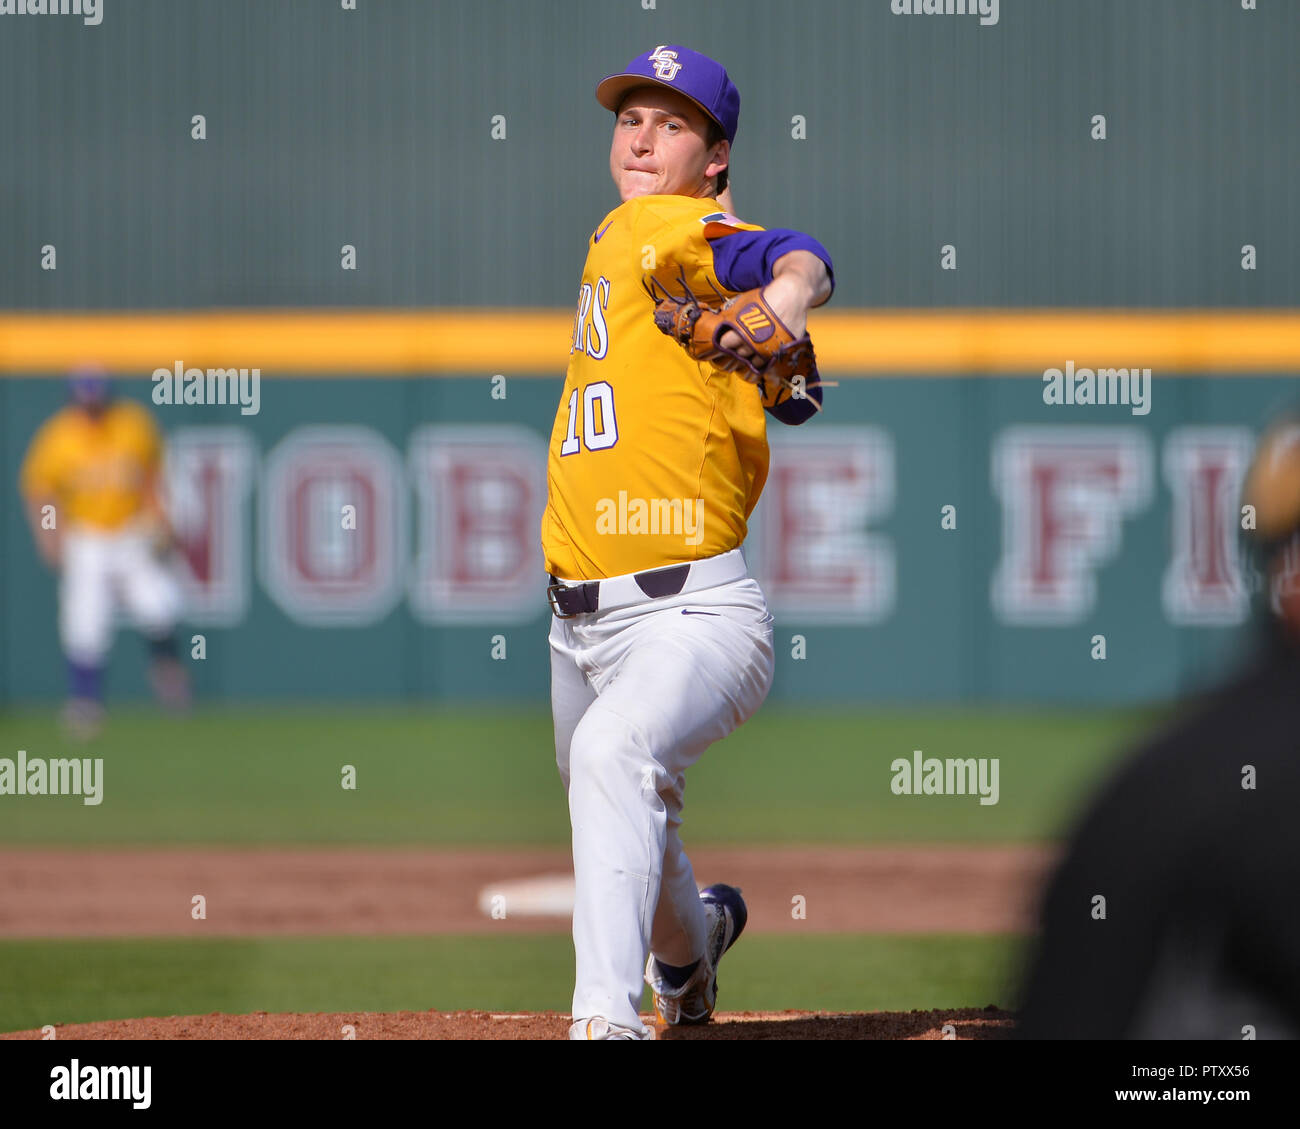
1195, 844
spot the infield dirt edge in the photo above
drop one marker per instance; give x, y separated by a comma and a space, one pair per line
946, 1023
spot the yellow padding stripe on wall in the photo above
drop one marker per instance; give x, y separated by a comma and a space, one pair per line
536, 342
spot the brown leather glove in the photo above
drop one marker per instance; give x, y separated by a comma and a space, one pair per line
778, 356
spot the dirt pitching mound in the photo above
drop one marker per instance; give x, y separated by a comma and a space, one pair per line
959, 1023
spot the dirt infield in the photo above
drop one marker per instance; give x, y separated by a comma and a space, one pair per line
961, 1023
123, 893
126, 893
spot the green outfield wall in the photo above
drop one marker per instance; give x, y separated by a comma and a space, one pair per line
457, 146
1067, 523
449, 157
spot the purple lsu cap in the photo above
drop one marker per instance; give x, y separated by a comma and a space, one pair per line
88, 384
702, 80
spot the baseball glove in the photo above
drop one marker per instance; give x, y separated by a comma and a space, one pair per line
778, 358
162, 540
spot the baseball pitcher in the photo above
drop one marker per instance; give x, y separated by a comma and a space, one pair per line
90, 480
690, 330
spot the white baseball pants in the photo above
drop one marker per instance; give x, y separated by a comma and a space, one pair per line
637, 694
99, 573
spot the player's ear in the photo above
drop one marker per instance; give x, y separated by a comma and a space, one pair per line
719, 158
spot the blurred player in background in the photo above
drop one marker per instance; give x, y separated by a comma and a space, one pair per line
1195, 844
91, 484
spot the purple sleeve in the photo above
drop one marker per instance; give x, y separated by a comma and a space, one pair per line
744, 259
793, 411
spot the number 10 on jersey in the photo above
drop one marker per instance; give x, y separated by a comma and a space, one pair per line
599, 427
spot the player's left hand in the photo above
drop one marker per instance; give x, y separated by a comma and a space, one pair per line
162, 538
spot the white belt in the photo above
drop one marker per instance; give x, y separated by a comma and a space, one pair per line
578, 597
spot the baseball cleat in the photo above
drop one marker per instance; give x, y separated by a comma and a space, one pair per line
693, 1003
82, 719
171, 684
598, 1027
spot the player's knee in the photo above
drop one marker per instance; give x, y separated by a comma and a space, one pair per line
608, 749
157, 619
84, 641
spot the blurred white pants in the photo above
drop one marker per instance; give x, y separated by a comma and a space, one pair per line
102, 572
637, 694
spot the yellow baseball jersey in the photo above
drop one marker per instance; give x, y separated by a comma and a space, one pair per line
95, 471
655, 458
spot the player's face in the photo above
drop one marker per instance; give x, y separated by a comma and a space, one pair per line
92, 406
661, 147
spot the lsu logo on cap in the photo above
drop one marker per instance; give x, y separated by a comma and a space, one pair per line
666, 64
756, 322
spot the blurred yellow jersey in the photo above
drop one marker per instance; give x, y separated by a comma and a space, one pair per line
94, 471
655, 458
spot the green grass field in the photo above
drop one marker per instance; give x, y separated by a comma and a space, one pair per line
462, 777
81, 981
